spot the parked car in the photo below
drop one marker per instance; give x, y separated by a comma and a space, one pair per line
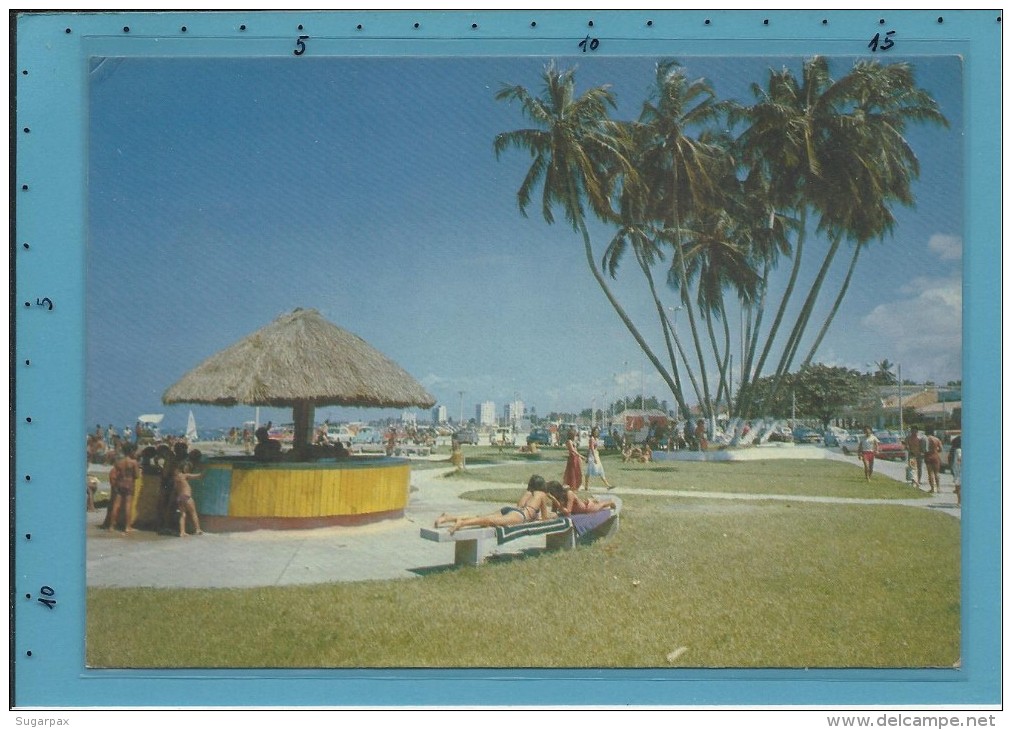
540, 436
502, 436
367, 435
781, 434
467, 436
340, 434
891, 447
804, 435
835, 436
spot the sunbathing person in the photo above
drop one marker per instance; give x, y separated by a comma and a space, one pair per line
567, 503
533, 505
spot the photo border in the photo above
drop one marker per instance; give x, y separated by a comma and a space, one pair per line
49, 197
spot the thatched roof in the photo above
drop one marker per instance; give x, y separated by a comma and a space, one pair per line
300, 358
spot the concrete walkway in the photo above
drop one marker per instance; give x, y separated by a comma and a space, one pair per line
380, 551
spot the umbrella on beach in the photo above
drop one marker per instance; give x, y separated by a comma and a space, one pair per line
300, 361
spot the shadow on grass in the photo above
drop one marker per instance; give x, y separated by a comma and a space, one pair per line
507, 558
434, 569
494, 558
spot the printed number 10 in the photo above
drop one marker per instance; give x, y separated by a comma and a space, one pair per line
592, 42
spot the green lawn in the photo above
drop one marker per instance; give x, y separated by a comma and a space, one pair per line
737, 584
819, 478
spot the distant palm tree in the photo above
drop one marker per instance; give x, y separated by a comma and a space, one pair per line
884, 375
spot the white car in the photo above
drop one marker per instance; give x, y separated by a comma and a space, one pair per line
340, 434
368, 435
502, 437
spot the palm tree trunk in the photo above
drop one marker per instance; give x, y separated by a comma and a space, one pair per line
688, 367
752, 339
726, 375
806, 312
719, 359
797, 332
599, 277
754, 376
708, 319
683, 278
706, 405
836, 306
665, 327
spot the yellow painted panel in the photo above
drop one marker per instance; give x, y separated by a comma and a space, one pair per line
318, 492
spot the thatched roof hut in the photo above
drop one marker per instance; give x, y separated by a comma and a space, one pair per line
300, 360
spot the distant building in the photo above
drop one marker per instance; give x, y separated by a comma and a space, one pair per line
515, 411
485, 413
439, 414
409, 418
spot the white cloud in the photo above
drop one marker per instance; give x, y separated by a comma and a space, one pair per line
926, 327
948, 248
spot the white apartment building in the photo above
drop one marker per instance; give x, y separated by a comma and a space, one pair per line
485, 413
515, 411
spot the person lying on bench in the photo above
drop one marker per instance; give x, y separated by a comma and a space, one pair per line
567, 503
533, 505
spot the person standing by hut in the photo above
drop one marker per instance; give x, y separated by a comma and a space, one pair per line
124, 475
573, 476
183, 495
392, 441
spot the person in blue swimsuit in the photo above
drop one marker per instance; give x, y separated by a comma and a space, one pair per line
535, 504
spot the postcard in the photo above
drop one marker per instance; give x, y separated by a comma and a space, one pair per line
406, 350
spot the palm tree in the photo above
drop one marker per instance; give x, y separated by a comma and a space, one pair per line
884, 375
766, 234
578, 154
679, 171
780, 149
886, 99
835, 148
720, 254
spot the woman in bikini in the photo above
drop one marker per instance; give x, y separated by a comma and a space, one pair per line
533, 505
567, 503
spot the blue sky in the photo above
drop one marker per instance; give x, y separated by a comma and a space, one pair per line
225, 192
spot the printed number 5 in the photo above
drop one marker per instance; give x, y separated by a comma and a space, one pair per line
300, 45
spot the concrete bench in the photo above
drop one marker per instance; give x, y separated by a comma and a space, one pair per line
562, 533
